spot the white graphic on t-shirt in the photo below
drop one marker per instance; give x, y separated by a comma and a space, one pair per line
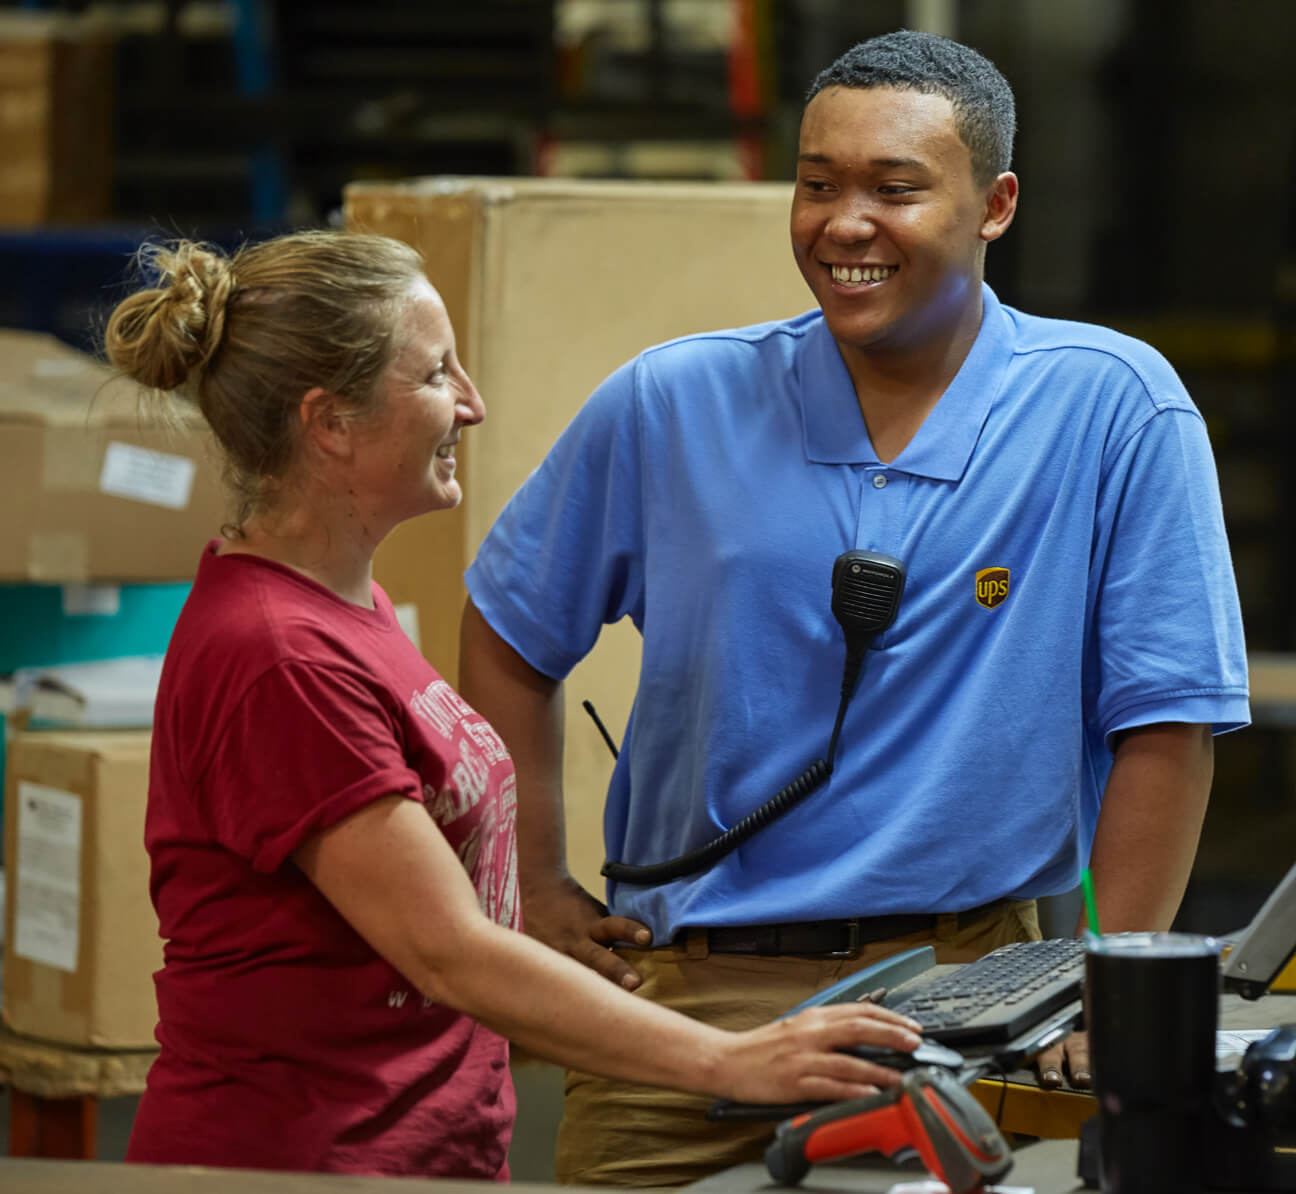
441, 707
446, 806
397, 998
500, 903
487, 848
470, 774
470, 778
492, 745
494, 876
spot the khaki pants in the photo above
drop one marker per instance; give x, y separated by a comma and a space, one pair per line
619, 1134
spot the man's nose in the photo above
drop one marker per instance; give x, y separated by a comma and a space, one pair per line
852, 220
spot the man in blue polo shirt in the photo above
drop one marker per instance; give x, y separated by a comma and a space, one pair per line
1068, 639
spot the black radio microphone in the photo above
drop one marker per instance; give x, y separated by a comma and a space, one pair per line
866, 590
866, 587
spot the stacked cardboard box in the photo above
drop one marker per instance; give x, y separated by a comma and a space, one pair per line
93, 488
551, 284
80, 935
56, 73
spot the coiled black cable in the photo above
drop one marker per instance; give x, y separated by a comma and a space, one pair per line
696, 860
866, 590
788, 797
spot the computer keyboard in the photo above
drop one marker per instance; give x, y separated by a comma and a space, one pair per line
993, 1013
996, 998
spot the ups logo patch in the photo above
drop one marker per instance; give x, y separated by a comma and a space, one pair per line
992, 586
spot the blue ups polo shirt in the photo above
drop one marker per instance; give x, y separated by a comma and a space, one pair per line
1068, 576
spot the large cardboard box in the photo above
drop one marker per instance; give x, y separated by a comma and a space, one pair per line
56, 118
92, 487
551, 284
81, 937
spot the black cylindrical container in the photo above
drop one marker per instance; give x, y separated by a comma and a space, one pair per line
1151, 1008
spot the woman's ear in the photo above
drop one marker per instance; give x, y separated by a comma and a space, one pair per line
324, 424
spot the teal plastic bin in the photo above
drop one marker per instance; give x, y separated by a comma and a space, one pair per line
39, 626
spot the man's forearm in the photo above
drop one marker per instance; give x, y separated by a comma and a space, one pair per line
525, 707
1150, 825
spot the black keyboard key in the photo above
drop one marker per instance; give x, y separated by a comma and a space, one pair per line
997, 997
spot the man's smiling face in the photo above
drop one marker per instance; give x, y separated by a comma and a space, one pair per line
889, 224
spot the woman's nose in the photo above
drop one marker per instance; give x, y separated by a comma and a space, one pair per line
470, 407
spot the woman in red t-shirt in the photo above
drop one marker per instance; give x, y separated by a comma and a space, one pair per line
331, 828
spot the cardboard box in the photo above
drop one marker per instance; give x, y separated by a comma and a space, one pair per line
92, 487
81, 938
551, 284
56, 118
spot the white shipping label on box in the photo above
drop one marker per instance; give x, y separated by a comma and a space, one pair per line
143, 475
92, 600
47, 894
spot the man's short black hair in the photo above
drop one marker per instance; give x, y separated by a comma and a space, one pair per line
984, 112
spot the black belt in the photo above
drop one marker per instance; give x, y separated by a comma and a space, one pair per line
823, 938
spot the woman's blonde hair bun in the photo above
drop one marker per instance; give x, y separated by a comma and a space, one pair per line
161, 335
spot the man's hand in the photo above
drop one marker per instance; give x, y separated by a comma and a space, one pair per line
1068, 1056
563, 915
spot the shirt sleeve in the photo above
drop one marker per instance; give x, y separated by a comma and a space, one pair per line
565, 557
1167, 639
306, 747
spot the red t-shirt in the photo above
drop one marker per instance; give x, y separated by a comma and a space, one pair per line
287, 1042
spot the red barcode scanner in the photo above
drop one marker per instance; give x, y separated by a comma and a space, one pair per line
929, 1113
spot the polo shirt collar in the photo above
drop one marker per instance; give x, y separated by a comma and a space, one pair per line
834, 427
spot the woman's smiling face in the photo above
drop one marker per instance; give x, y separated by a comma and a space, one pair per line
427, 399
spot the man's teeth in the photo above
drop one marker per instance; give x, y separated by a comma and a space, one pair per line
446, 451
853, 275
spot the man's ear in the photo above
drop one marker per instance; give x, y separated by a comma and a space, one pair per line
1001, 206
324, 424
